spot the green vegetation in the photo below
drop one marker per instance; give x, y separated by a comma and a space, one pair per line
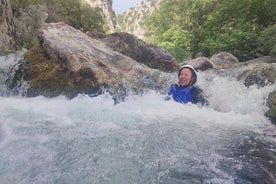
26, 38
16, 4
244, 28
185, 28
78, 14
267, 39
41, 72
120, 20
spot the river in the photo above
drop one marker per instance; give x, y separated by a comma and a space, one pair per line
143, 140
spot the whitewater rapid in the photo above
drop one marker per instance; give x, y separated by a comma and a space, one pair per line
143, 139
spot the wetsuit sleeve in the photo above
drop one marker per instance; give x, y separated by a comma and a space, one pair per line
170, 92
172, 89
198, 97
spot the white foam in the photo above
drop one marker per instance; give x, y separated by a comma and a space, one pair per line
143, 133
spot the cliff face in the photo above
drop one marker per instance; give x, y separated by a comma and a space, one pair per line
109, 14
24, 23
7, 28
28, 20
132, 21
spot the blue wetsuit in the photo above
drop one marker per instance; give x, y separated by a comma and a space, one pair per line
187, 94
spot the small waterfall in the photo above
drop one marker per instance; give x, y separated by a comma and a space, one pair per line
11, 75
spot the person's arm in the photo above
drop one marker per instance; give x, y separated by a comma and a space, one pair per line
198, 96
170, 92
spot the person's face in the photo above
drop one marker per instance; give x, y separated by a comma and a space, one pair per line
185, 77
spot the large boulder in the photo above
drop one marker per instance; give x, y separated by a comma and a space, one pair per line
200, 63
84, 64
223, 60
138, 50
7, 27
264, 59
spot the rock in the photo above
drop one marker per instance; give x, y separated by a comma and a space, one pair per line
264, 59
7, 27
223, 60
260, 74
138, 50
271, 103
200, 63
260, 71
87, 63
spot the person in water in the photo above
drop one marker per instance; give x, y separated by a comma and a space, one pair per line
185, 91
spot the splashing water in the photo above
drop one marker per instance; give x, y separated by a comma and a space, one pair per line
11, 75
141, 140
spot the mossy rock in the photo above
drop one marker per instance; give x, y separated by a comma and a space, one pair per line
46, 77
271, 103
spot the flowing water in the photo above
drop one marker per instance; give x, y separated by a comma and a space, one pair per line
143, 140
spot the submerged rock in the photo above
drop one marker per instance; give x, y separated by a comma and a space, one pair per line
271, 103
260, 75
260, 72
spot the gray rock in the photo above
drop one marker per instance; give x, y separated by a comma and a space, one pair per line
264, 59
7, 27
223, 60
138, 50
261, 74
200, 63
88, 61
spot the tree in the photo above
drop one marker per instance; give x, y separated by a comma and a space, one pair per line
79, 15
17, 4
210, 26
267, 40
172, 25
76, 13
234, 26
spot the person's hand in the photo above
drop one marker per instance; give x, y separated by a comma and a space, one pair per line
167, 98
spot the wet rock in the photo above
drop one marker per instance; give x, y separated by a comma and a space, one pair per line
258, 74
271, 103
